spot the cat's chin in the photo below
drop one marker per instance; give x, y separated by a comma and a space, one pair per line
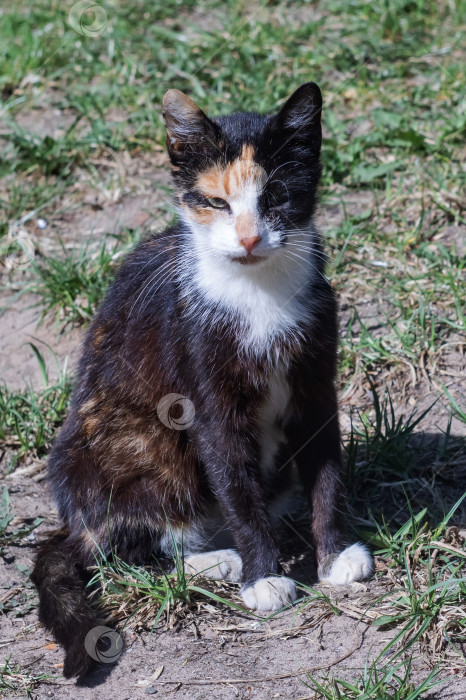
249, 259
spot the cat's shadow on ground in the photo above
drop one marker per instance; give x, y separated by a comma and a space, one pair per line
436, 483
297, 554
96, 677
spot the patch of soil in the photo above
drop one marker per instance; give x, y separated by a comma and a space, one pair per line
18, 327
94, 219
46, 121
133, 193
21, 323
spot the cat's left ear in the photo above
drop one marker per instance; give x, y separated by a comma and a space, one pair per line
300, 115
190, 132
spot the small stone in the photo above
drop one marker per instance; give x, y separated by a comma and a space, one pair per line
150, 690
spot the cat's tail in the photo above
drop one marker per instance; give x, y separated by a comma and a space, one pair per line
64, 606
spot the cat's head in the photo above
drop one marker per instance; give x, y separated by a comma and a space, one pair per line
246, 183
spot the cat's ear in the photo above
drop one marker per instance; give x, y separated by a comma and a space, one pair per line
300, 115
189, 131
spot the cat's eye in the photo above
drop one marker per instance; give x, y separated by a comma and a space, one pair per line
217, 203
278, 200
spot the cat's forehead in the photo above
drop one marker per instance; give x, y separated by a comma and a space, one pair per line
229, 179
242, 128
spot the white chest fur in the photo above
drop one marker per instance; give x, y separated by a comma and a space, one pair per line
274, 410
265, 301
265, 304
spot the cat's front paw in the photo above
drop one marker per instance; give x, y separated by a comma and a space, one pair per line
222, 564
270, 593
352, 564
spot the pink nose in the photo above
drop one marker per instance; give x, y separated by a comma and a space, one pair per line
250, 243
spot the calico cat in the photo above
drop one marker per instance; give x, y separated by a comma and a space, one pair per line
207, 377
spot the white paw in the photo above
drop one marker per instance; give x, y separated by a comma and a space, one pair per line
224, 563
352, 564
269, 593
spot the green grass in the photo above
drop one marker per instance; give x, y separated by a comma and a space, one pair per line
429, 605
19, 680
389, 682
132, 62
144, 595
29, 418
392, 462
73, 284
423, 568
385, 437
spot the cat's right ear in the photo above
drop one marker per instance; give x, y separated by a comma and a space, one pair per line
190, 132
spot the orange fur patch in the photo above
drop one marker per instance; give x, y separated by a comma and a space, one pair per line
227, 181
201, 215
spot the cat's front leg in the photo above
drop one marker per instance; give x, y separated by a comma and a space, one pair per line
316, 447
235, 484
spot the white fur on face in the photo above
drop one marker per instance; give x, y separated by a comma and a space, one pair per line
265, 297
221, 231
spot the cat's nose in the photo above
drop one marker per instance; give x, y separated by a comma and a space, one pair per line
250, 243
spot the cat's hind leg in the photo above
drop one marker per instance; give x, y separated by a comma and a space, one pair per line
207, 548
221, 564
